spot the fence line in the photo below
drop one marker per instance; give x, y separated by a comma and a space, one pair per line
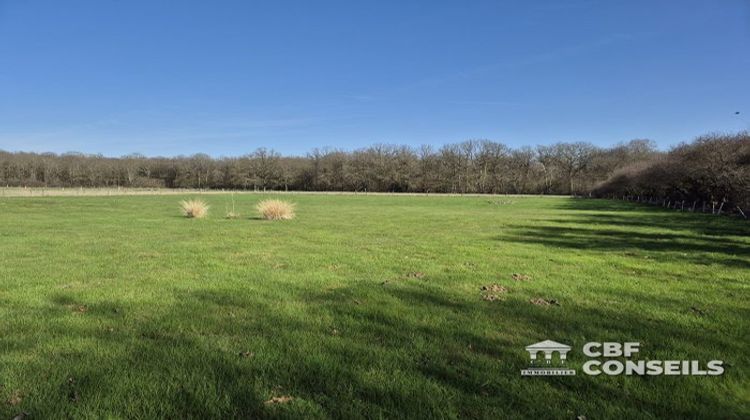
97, 192
679, 205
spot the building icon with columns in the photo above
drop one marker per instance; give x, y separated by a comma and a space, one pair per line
548, 348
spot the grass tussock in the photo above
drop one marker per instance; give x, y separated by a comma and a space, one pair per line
276, 210
233, 215
194, 208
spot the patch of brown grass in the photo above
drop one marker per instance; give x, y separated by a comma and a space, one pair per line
81, 309
544, 302
276, 210
494, 288
493, 292
279, 400
15, 398
233, 215
194, 208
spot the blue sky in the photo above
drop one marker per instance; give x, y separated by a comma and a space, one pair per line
226, 77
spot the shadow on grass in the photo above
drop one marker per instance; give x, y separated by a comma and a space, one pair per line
623, 213
618, 227
408, 350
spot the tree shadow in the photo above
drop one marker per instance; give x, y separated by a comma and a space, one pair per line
609, 227
409, 350
624, 213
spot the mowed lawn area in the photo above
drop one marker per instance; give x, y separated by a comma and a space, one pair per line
364, 306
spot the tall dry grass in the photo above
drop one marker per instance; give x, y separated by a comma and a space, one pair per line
231, 214
194, 208
276, 210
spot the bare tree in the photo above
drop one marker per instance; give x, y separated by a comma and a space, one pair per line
570, 159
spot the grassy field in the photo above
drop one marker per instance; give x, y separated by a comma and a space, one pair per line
363, 307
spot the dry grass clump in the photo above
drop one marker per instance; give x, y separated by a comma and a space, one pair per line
233, 215
194, 208
276, 210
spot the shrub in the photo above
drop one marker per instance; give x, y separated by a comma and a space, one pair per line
276, 210
194, 208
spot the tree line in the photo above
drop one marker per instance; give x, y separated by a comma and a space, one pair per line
467, 167
712, 173
711, 168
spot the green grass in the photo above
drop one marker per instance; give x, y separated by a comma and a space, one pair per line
363, 307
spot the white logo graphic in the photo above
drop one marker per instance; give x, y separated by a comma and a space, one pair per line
548, 367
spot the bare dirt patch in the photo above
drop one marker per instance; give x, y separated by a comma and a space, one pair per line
79, 309
493, 292
544, 302
698, 311
520, 277
73, 396
279, 400
15, 398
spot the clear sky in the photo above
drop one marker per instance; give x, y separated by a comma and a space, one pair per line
225, 77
